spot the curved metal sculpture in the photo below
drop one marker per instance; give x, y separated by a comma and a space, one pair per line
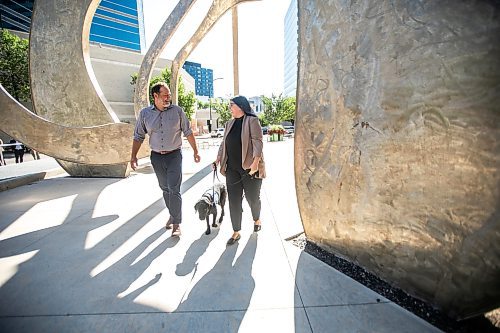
215, 12
66, 93
63, 84
62, 78
397, 158
99, 145
161, 40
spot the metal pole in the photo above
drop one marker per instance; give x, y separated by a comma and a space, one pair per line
236, 72
210, 103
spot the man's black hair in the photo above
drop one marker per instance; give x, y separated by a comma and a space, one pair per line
155, 89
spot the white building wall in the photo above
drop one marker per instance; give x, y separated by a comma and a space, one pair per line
113, 69
291, 46
256, 104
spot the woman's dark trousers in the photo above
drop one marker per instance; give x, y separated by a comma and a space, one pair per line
239, 182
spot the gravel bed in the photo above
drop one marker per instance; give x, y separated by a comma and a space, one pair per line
484, 324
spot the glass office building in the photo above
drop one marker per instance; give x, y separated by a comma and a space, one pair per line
16, 15
203, 78
291, 49
117, 23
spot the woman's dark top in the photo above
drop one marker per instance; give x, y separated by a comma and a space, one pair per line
233, 145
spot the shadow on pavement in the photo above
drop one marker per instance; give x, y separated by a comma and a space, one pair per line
224, 292
57, 279
195, 251
56, 285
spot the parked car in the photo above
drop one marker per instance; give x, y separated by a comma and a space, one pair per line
289, 129
264, 130
218, 133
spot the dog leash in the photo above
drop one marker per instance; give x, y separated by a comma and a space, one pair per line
216, 175
213, 182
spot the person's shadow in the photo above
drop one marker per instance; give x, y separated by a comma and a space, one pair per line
195, 251
225, 292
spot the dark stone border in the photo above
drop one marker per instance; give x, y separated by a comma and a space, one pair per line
398, 296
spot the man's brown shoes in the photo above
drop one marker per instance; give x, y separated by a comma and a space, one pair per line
169, 223
176, 230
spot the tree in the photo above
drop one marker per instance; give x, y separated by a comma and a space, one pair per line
187, 101
289, 107
222, 110
14, 68
203, 105
263, 120
278, 109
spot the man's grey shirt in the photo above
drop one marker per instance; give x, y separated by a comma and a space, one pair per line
163, 127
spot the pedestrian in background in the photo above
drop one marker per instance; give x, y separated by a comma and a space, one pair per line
242, 162
164, 123
19, 152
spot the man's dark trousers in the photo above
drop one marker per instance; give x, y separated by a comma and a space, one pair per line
168, 170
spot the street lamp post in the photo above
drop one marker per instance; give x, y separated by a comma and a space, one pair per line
210, 104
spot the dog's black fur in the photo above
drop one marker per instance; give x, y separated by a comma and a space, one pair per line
207, 206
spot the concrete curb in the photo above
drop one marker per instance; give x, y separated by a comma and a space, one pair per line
10, 183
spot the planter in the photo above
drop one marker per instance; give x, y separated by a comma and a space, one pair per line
275, 137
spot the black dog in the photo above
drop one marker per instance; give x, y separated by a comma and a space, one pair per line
207, 205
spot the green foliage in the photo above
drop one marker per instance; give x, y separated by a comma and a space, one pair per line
203, 105
14, 68
187, 101
278, 109
222, 110
263, 120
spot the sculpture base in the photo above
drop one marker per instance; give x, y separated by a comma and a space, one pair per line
95, 171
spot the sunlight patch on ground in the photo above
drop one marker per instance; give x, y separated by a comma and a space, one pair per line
10, 265
130, 245
127, 205
43, 215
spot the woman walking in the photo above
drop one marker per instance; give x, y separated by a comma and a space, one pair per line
241, 161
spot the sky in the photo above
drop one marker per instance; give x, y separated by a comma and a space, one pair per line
261, 43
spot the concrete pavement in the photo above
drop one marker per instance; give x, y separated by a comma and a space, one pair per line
92, 255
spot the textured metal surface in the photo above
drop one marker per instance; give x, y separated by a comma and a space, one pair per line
100, 145
63, 85
64, 88
215, 12
141, 95
398, 143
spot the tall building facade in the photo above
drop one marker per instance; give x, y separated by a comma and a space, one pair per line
117, 23
203, 78
16, 15
291, 48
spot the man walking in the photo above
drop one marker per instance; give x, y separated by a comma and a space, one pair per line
164, 123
